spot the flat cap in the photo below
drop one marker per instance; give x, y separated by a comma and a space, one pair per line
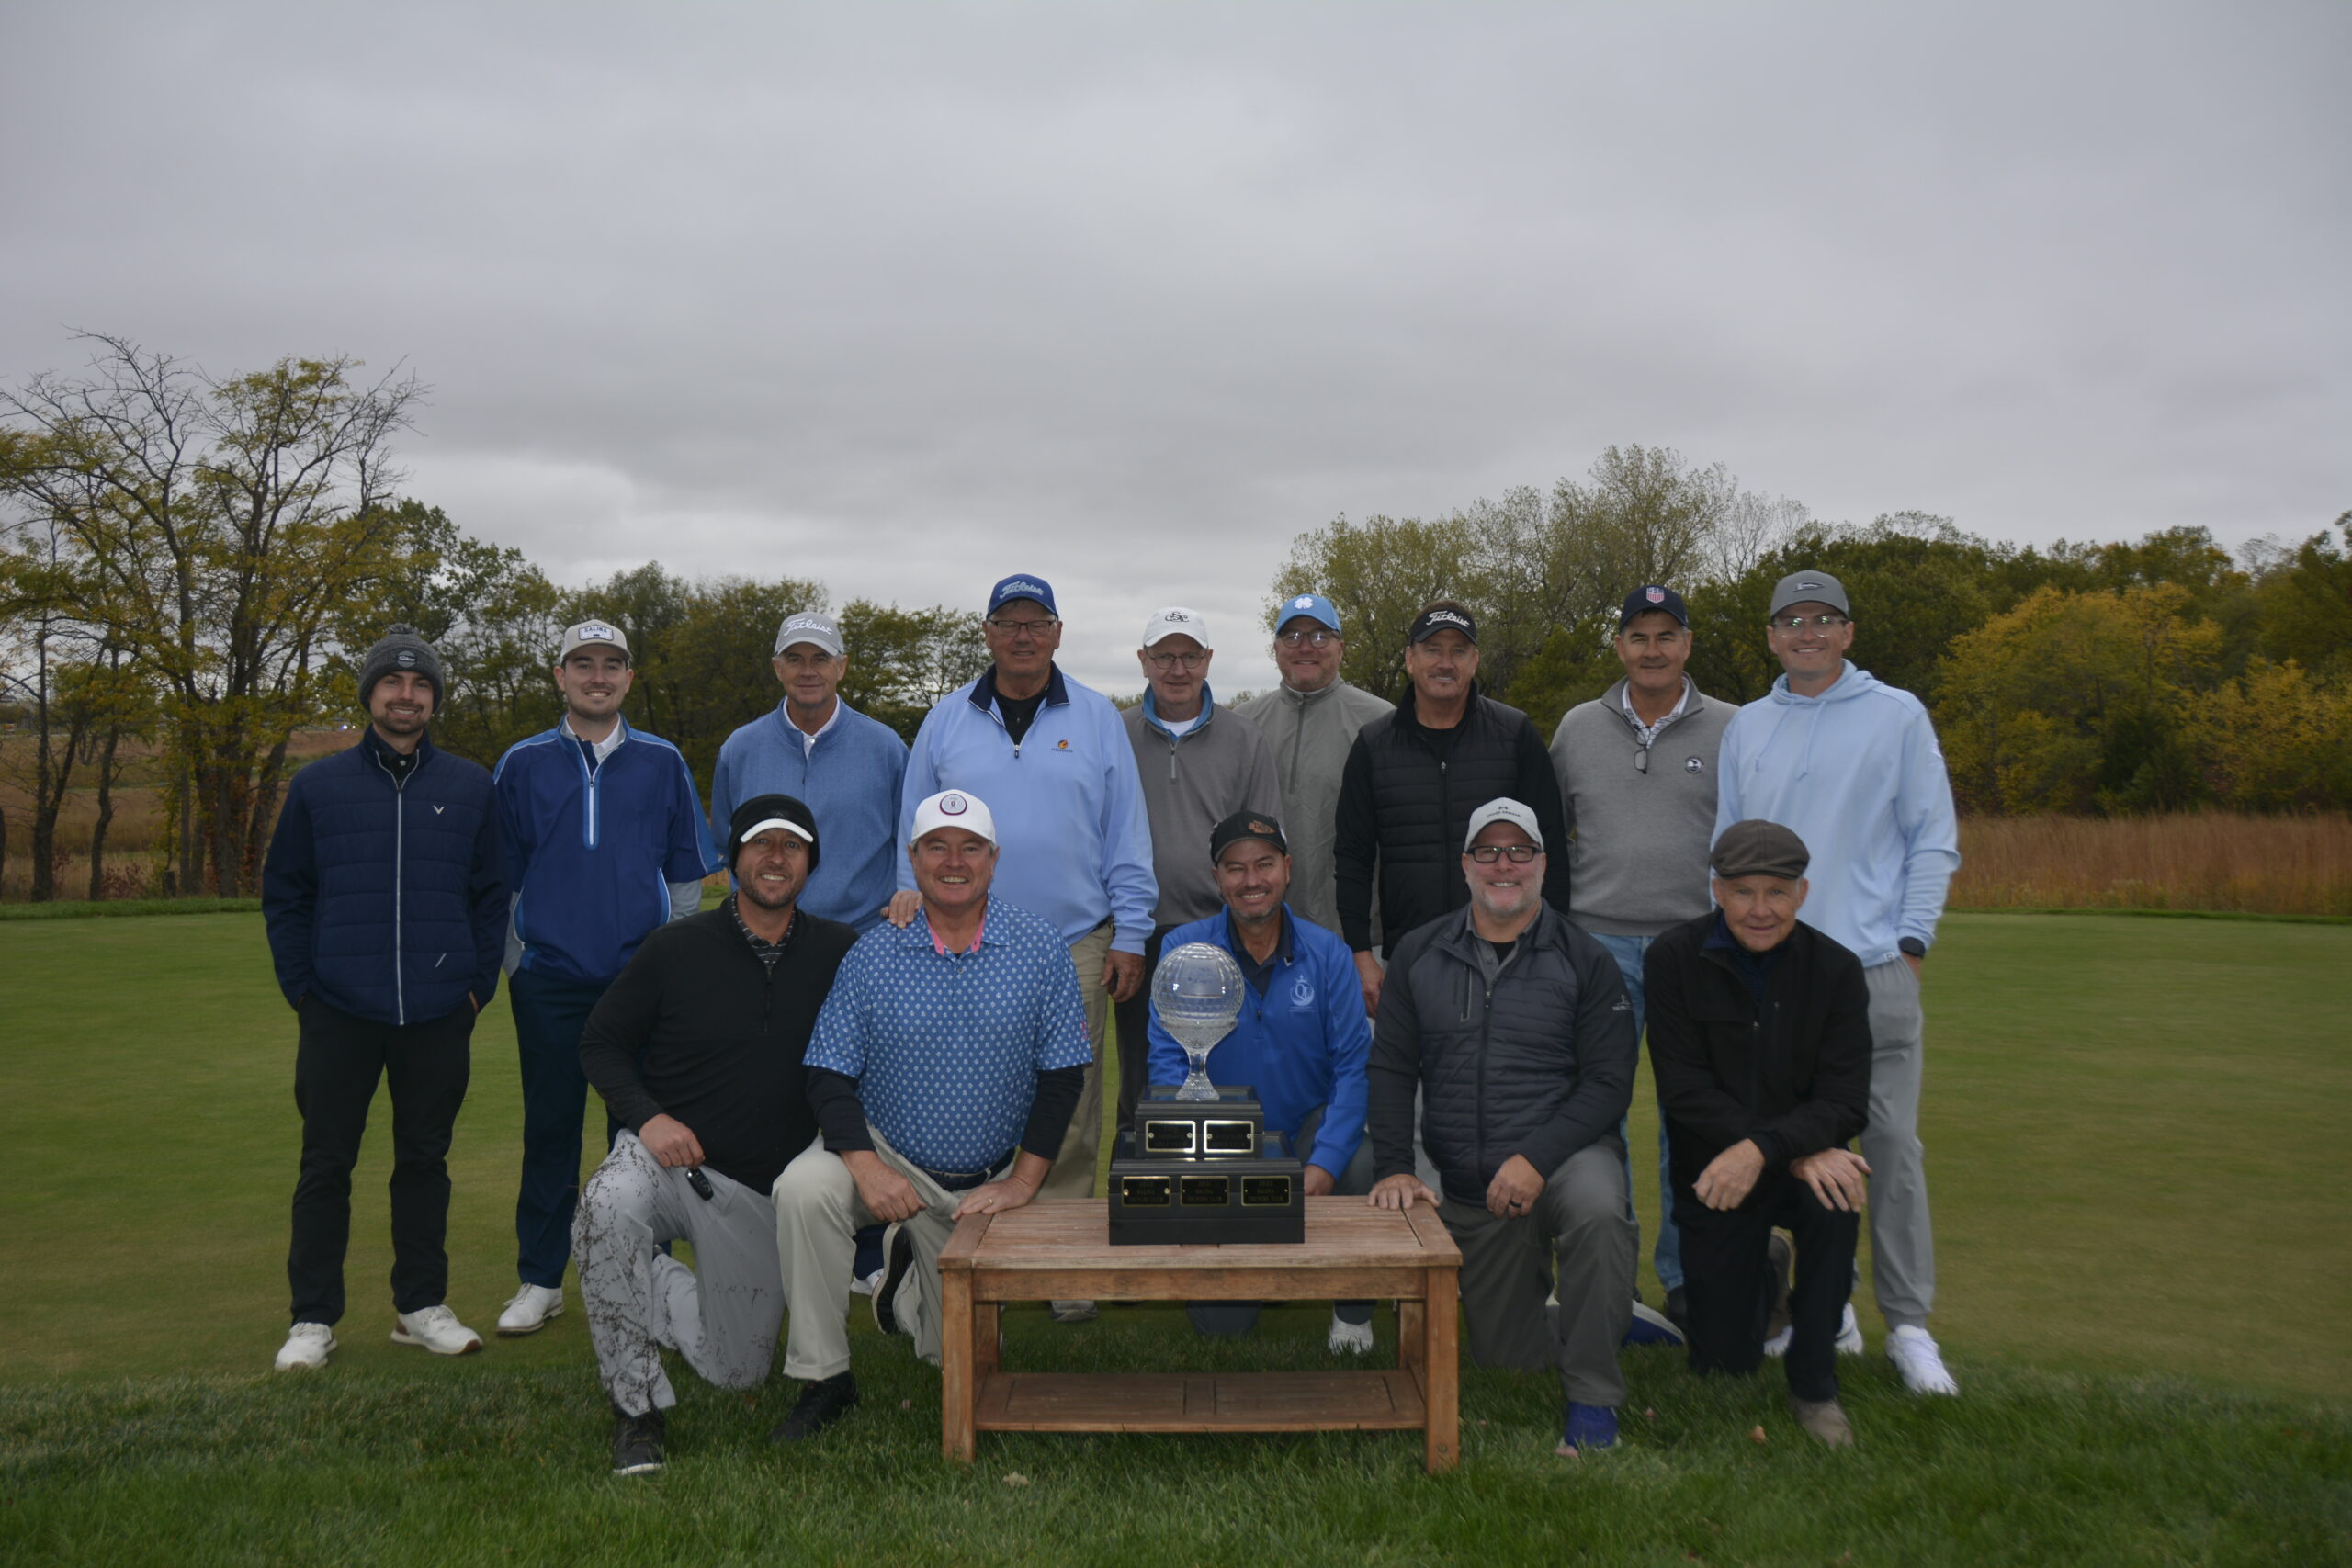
1757, 848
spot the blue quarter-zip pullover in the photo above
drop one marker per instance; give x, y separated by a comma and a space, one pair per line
849, 778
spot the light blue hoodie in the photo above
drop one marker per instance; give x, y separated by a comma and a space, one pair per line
1856, 772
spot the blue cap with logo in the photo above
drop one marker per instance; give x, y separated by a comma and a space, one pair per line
1648, 597
1313, 606
1023, 586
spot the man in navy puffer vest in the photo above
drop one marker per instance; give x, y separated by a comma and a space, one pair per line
387, 911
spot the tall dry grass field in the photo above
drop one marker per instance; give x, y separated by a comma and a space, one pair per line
2265, 865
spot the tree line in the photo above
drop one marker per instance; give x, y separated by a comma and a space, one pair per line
190, 565
196, 563
2159, 675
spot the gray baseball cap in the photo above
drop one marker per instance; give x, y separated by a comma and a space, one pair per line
1809, 588
814, 627
1502, 810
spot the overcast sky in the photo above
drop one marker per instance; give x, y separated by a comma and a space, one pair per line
905, 296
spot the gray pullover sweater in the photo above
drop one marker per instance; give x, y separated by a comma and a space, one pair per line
1191, 782
1638, 857
1310, 733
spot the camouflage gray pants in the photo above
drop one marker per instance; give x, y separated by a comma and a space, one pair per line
721, 1315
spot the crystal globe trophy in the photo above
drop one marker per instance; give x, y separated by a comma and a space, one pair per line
1196, 996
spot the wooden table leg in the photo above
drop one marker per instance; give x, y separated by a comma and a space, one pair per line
984, 1342
956, 1366
1441, 1386
1412, 1345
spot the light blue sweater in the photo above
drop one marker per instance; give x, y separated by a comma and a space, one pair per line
850, 781
1073, 846
1856, 772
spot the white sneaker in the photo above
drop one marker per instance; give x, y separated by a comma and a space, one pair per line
1914, 1353
1349, 1339
437, 1329
1848, 1341
529, 1311
1074, 1311
307, 1345
864, 1285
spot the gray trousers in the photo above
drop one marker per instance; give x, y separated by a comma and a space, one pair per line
721, 1314
1507, 1270
817, 1215
1903, 1242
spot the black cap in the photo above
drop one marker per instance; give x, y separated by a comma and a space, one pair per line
1757, 848
1437, 618
763, 811
1246, 825
1648, 597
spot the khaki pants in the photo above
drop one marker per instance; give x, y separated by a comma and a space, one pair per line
1073, 1173
818, 1216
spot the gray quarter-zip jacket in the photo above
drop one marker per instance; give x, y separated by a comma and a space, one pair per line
1310, 733
1191, 782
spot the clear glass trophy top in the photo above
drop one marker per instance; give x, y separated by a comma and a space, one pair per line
1196, 996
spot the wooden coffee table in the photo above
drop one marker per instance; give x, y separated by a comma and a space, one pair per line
1059, 1251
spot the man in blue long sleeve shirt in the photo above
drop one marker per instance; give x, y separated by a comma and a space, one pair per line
846, 765
1852, 767
1052, 759
1301, 1038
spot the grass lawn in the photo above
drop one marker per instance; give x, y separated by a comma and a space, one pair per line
2146, 1295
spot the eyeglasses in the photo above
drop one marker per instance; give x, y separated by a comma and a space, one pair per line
1171, 660
1307, 639
1038, 627
1799, 623
1518, 854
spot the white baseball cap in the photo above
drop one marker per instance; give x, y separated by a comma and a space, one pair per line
953, 808
1502, 810
1176, 621
592, 634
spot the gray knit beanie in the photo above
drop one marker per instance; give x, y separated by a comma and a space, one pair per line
400, 648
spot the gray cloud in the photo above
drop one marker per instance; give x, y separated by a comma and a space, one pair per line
905, 297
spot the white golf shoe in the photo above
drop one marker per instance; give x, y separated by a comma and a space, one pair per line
1848, 1341
437, 1329
1349, 1339
1913, 1350
529, 1311
307, 1345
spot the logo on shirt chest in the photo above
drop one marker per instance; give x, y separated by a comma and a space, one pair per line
1693, 765
1302, 992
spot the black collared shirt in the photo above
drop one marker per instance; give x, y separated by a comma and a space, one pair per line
1261, 975
769, 951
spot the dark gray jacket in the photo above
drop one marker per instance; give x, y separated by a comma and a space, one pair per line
1530, 1055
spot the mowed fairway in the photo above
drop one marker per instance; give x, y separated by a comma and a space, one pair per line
2134, 1131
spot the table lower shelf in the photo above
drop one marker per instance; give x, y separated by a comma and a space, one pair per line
1227, 1402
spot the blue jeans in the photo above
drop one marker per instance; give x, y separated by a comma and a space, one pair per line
549, 1013
1629, 951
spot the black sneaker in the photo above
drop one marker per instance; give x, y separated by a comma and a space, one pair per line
637, 1443
899, 1249
821, 1403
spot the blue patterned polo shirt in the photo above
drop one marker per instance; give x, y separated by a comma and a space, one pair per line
946, 1046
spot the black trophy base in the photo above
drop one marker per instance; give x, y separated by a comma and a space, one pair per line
1171, 1201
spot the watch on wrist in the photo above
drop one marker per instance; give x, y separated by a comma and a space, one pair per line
1912, 947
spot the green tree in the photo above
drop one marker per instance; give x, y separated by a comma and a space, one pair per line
222, 531
903, 663
2080, 702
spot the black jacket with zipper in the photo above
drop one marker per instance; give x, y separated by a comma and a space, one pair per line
1406, 796
1537, 1062
699, 1027
1791, 1071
